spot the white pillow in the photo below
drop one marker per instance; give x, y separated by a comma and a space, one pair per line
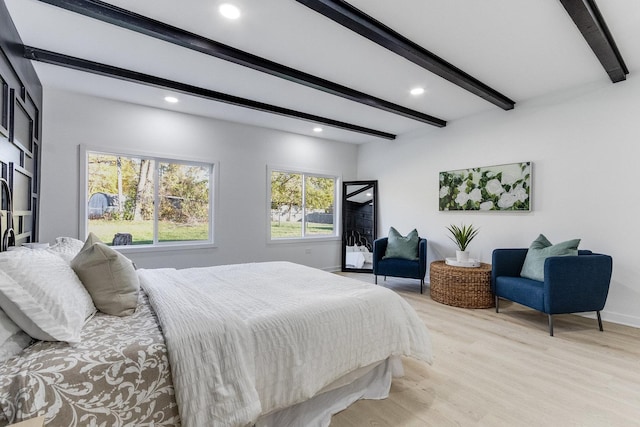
66, 247
40, 292
12, 339
7, 327
14, 345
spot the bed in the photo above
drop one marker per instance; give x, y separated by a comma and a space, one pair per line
358, 251
359, 257
265, 344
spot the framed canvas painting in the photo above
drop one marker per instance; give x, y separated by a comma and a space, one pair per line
490, 188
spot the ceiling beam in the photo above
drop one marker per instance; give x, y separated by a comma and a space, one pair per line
590, 22
348, 16
79, 64
132, 21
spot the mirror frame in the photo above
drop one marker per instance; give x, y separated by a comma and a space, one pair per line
373, 185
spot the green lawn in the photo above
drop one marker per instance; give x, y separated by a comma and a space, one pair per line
286, 229
142, 231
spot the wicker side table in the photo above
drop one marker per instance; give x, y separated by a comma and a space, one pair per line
460, 286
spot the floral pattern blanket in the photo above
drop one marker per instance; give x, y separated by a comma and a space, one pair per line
118, 375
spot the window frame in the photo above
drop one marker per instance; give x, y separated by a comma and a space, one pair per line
336, 205
83, 223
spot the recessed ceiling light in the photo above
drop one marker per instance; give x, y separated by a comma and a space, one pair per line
171, 99
229, 11
317, 129
417, 91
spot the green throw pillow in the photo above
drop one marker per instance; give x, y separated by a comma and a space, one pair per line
540, 250
399, 246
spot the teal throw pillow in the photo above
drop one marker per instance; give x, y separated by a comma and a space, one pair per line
399, 246
540, 250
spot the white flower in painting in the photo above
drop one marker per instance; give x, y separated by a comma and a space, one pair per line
444, 191
463, 196
486, 206
494, 187
517, 194
520, 193
506, 200
509, 179
475, 195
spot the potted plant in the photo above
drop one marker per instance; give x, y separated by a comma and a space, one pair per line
462, 236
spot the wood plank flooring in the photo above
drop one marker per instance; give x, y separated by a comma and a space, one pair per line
503, 369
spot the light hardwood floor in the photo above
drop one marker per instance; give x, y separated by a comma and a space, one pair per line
503, 369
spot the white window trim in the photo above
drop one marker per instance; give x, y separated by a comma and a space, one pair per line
336, 212
83, 224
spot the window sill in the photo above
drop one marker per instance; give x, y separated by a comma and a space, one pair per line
167, 247
304, 240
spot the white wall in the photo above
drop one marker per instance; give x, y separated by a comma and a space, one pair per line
584, 144
243, 153
585, 148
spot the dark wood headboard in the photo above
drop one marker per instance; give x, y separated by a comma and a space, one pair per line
353, 238
20, 135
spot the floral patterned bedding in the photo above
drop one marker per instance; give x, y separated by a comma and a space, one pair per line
118, 375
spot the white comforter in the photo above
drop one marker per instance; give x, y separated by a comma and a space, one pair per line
354, 259
248, 339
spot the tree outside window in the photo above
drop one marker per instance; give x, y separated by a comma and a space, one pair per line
122, 194
302, 205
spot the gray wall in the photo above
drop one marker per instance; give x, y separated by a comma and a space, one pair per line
243, 153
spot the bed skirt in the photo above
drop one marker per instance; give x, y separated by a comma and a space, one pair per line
370, 382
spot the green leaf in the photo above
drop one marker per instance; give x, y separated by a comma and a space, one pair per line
462, 235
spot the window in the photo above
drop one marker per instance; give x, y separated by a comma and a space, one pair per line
302, 205
141, 200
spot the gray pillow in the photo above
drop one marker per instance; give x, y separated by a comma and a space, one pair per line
540, 250
12, 339
399, 246
109, 277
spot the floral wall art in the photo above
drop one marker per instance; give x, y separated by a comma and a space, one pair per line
491, 188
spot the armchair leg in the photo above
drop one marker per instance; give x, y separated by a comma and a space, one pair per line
599, 321
376, 279
497, 299
550, 325
421, 283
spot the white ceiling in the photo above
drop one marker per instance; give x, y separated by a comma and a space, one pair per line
521, 48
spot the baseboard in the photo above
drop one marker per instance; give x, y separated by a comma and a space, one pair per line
622, 319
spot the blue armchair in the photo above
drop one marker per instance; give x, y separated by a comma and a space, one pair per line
398, 267
572, 284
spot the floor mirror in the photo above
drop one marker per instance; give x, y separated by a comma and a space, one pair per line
359, 207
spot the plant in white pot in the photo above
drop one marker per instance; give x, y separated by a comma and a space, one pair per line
462, 236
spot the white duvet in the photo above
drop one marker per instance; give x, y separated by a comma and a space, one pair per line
248, 339
354, 259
